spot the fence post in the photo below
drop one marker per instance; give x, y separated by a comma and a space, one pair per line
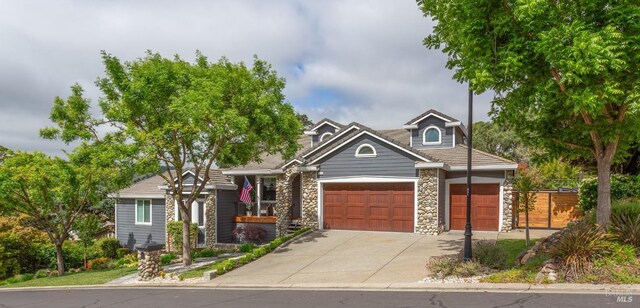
549, 222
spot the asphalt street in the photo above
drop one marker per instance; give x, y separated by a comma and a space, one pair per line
184, 298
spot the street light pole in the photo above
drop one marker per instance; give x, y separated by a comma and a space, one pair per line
467, 227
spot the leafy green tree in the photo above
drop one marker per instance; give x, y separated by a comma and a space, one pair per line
87, 228
500, 140
558, 172
4, 152
52, 192
187, 116
527, 181
565, 73
304, 120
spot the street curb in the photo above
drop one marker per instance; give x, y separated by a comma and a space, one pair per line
633, 289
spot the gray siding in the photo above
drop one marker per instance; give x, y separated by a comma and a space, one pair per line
226, 212
459, 136
496, 175
321, 130
441, 197
389, 161
129, 234
446, 134
271, 229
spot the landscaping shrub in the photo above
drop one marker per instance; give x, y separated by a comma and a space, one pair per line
100, 263
166, 259
249, 234
446, 266
108, 247
489, 254
72, 252
205, 253
53, 273
622, 186
625, 227
20, 247
247, 247
577, 248
121, 252
174, 229
40, 274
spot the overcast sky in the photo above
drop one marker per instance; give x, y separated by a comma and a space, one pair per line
347, 60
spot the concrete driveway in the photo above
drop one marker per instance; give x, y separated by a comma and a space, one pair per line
335, 256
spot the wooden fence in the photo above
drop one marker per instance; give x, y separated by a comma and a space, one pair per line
552, 210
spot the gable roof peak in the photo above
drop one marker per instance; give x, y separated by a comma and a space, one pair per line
326, 121
431, 112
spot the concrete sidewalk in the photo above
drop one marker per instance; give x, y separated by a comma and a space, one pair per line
346, 257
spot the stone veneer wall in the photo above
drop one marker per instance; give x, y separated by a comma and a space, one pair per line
428, 202
310, 199
284, 198
149, 266
210, 226
170, 216
507, 202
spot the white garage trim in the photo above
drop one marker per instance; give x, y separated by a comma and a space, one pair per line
359, 179
474, 180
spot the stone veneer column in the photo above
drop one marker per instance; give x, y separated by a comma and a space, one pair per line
210, 227
310, 199
428, 202
284, 198
149, 265
507, 202
170, 216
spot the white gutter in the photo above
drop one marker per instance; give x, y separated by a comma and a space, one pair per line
308, 168
425, 165
486, 167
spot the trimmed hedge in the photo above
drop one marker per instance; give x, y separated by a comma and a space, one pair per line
622, 186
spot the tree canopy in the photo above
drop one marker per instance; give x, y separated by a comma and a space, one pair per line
183, 116
565, 73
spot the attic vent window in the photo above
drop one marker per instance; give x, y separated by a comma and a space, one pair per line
365, 150
325, 135
431, 136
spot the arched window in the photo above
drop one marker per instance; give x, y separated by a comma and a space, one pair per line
325, 135
365, 150
431, 135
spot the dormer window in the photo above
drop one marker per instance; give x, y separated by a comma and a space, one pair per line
431, 135
325, 136
365, 150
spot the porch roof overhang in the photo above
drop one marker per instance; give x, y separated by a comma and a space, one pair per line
252, 172
434, 165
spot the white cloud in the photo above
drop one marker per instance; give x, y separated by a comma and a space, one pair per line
368, 53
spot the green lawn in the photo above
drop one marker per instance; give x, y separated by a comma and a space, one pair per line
72, 279
197, 273
513, 248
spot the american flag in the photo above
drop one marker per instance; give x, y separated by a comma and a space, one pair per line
246, 189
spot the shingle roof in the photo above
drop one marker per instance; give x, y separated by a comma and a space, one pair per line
329, 121
273, 161
436, 112
457, 156
373, 132
148, 187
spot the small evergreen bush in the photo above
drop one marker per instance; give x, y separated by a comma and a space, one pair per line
108, 247
490, 254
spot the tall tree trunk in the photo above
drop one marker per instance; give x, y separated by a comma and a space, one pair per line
60, 259
186, 240
603, 214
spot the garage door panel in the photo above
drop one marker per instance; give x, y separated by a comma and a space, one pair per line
485, 206
370, 206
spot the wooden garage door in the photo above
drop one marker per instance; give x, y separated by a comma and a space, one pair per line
485, 206
368, 206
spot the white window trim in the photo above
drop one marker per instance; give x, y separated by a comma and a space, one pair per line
424, 135
366, 155
150, 213
324, 136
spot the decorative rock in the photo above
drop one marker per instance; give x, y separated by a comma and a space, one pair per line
148, 265
284, 197
211, 236
428, 202
507, 210
310, 199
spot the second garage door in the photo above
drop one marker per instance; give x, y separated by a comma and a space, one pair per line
368, 206
485, 205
